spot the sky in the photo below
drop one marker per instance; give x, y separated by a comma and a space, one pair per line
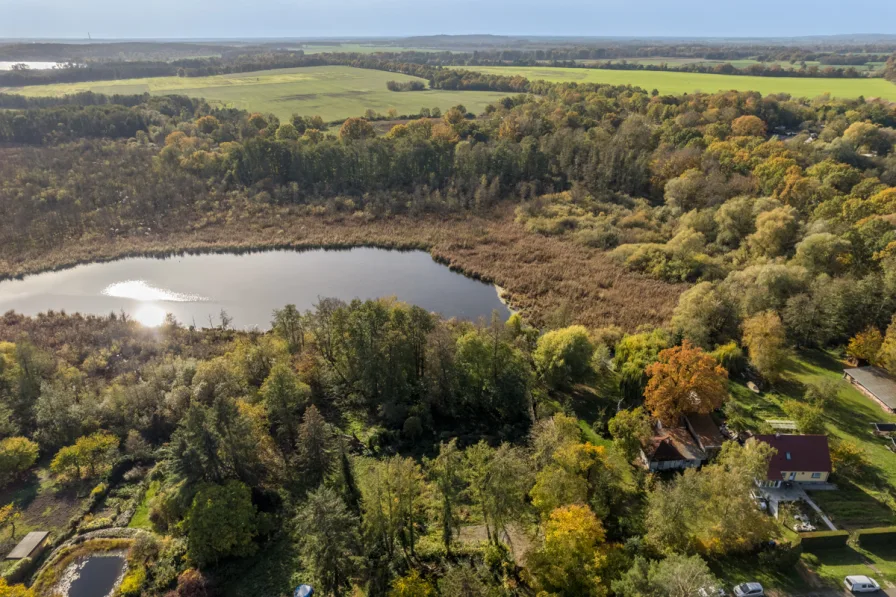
347, 18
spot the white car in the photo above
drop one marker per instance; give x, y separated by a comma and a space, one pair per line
861, 584
749, 589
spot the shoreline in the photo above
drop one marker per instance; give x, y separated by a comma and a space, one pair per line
534, 274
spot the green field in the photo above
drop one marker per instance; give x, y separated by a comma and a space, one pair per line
674, 82
332, 92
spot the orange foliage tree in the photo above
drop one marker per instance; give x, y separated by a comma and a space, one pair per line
685, 379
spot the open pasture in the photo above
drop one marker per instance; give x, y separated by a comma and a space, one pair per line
332, 92
678, 82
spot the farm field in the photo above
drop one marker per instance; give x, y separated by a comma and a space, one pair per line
675, 82
331, 92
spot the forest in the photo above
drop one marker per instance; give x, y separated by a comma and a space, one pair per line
371, 447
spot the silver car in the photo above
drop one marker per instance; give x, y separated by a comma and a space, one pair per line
749, 589
861, 584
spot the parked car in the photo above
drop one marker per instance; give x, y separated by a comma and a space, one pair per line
861, 584
749, 589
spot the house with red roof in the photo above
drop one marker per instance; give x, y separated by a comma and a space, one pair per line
803, 459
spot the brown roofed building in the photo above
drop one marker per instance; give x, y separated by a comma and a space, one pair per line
706, 432
672, 449
799, 459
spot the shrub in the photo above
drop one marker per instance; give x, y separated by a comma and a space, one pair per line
878, 536
824, 540
133, 581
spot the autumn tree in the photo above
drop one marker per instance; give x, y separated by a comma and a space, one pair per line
766, 344
17, 455
10, 514
88, 456
328, 537
684, 380
866, 345
411, 585
570, 560
354, 129
776, 232
563, 357
748, 126
221, 522
629, 430
581, 473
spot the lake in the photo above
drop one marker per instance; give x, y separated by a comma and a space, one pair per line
96, 576
195, 288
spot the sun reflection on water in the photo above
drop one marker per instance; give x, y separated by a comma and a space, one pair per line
141, 291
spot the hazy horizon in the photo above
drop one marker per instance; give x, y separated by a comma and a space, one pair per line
228, 19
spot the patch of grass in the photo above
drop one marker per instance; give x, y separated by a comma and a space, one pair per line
331, 92
140, 520
833, 565
851, 508
677, 82
735, 570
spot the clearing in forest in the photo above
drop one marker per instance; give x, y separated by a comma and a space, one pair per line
677, 82
331, 92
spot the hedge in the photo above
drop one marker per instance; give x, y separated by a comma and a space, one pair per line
877, 536
824, 540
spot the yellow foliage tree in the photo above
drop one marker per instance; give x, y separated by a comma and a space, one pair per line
684, 380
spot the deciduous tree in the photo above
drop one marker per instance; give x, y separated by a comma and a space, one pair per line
221, 522
766, 344
684, 380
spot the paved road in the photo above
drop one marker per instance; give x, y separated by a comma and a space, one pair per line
835, 593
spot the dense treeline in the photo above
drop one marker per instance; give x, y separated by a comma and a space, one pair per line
367, 435
405, 86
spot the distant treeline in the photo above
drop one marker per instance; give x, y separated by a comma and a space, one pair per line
251, 61
405, 86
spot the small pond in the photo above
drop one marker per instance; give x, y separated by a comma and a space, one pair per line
196, 288
95, 576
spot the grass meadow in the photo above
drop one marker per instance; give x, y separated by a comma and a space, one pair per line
331, 92
675, 82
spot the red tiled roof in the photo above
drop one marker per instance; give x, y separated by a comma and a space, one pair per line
797, 453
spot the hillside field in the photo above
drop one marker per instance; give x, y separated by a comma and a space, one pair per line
675, 82
332, 92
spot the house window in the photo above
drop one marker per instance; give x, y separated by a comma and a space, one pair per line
816, 475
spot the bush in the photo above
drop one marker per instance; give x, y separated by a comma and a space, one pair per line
133, 582
878, 536
824, 540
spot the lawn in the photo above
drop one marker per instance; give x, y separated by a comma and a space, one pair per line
833, 565
848, 417
332, 92
140, 520
675, 82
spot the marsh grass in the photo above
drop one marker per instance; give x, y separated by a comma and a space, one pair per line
541, 275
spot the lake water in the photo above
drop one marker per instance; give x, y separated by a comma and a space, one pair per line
96, 576
249, 286
32, 65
